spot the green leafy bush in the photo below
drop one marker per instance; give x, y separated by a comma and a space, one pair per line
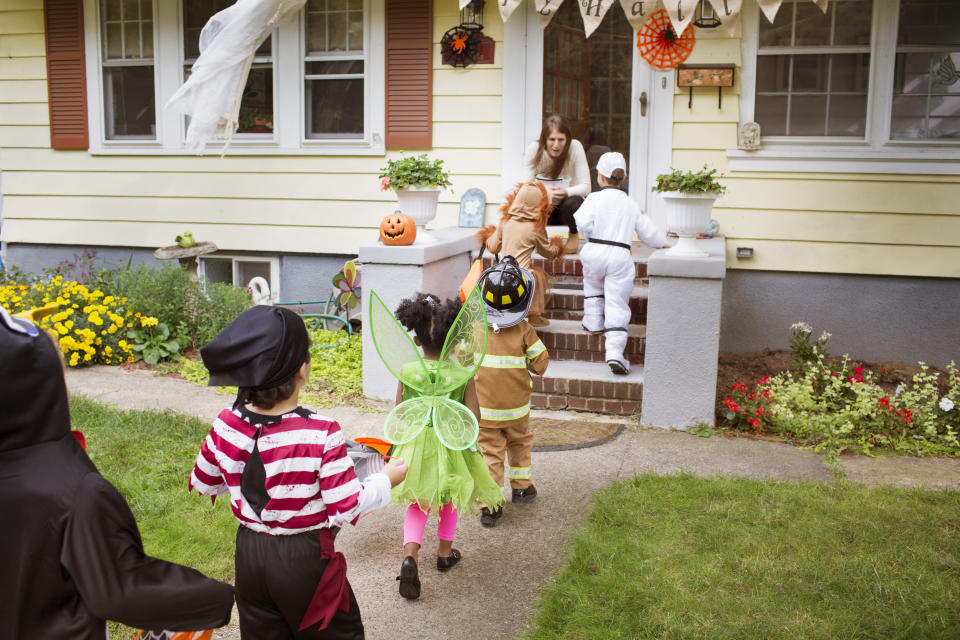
152, 342
689, 182
413, 171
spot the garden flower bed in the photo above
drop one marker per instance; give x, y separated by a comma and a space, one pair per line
835, 404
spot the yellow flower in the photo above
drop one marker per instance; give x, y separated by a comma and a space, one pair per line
74, 359
86, 357
112, 329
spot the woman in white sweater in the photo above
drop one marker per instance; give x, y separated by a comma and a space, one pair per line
555, 156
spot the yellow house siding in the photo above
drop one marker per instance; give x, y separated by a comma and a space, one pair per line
313, 204
833, 223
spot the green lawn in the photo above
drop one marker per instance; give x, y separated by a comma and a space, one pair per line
148, 456
685, 557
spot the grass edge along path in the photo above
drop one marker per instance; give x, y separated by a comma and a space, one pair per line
680, 556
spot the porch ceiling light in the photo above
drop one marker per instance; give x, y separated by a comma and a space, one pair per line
705, 17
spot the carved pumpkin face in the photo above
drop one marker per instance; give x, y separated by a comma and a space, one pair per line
398, 229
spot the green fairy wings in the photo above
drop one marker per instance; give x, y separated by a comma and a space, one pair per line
463, 349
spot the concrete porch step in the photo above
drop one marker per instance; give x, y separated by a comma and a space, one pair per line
566, 340
588, 386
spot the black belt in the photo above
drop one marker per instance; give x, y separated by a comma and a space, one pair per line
612, 243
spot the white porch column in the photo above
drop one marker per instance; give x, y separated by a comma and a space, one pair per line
396, 273
683, 337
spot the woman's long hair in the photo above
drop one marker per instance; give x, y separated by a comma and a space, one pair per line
551, 124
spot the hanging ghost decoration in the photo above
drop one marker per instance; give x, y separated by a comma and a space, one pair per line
211, 95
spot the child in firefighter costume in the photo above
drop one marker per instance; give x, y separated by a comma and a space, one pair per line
522, 230
607, 220
290, 480
503, 381
72, 552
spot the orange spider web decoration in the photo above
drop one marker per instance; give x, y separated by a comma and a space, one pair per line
658, 42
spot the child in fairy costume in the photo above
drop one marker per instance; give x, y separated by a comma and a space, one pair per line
434, 426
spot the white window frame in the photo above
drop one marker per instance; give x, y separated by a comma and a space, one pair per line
289, 135
235, 271
876, 153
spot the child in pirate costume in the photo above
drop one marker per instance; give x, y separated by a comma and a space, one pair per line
522, 230
607, 220
290, 481
503, 381
434, 425
73, 557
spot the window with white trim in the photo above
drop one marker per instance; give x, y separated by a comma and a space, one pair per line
129, 101
316, 85
877, 78
240, 271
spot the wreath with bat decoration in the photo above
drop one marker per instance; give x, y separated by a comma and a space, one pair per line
460, 46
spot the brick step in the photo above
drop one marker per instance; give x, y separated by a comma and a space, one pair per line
566, 340
584, 386
570, 265
566, 303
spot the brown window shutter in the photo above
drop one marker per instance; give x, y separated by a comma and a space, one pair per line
66, 75
409, 73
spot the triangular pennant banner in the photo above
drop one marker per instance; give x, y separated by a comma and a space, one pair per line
681, 13
507, 7
637, 12
464, 3
770, 8
546, 9
728, 11
592, 12
822, 4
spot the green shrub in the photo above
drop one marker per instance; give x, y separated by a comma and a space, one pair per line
689, 182
413, 171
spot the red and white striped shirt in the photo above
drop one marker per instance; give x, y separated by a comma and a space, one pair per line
309, 476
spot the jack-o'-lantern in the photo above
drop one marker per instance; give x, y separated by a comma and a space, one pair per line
398, 229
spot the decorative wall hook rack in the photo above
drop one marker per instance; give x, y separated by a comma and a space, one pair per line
705, 75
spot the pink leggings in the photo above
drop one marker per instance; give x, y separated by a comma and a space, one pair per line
416, 520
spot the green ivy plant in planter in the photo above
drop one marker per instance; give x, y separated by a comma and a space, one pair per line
689, 182
417, 180
689, 198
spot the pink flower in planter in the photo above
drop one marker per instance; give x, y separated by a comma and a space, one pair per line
384, 183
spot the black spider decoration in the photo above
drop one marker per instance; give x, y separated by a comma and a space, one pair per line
460, 46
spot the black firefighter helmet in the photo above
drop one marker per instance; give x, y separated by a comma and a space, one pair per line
507, 292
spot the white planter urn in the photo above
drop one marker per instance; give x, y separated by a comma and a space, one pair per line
688, 215
420, 203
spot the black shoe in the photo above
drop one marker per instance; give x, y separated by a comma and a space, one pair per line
489, 518
445, 564
617, 367
524, 495
409, 580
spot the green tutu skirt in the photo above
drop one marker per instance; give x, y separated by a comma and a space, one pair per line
437, 475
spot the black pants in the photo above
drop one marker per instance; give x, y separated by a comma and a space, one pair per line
563, 212
276, 578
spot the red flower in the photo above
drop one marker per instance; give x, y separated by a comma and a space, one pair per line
858, 370
884, 401
758, 412
835, 374
752, 396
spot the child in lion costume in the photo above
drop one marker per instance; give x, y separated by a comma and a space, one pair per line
522, 230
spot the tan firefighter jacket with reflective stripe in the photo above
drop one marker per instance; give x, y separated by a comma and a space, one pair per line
503, 380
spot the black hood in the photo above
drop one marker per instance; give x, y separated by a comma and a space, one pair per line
33, 393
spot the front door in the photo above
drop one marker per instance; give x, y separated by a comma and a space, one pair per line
611, 97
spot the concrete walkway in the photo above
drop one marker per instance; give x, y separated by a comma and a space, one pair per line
491, 593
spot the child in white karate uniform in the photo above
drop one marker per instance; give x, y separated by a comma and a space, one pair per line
607, 219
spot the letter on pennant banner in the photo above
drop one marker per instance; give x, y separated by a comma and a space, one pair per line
637, 11
770, 8
592, 12
681, 13
546, 9
507, 7
728, 11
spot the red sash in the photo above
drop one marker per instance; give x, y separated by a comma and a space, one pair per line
332, 592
